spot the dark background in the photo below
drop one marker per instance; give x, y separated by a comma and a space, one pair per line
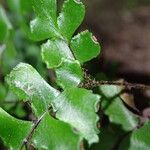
123, 29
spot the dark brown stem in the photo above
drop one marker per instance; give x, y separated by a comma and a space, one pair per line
29, 136
124, 84
91, 83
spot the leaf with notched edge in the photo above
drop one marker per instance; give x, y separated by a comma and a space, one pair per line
85, 47
52, 134
54, 51
77, 107
45, 8
27, 84
44, 26
70, 18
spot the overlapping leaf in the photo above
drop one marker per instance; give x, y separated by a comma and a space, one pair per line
26, 82
115, 109
139, 139
44, 26
74, 103
52, 134
48, 134
13, 131
85, 47
69, 74
53, 51
72, 107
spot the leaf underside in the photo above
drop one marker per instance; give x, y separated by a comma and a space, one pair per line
116, 110
139, 139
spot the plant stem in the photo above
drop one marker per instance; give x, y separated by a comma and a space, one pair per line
91, 83
124, 84
29, 136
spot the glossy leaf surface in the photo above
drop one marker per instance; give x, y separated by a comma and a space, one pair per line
26, 82
45, 8
44, 26
69, 74
52, 134
13, 131
53, 51
42, 29
70, 18
85, 47
72, 106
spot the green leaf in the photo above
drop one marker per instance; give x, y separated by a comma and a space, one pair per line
26, 82
77, 107
42, 29
53, 51
13, 131
11, 97
3, 92
139, 139
9, 57
25, 5
19, 6
14, 5
69, 74
85, 47
109, 135
110, 91
70, 18
5, 25
19, 111
45, 8
2, 48
116, 110
52, 134
44, 26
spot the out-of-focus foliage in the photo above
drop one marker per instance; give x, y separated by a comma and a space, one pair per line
15, 47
